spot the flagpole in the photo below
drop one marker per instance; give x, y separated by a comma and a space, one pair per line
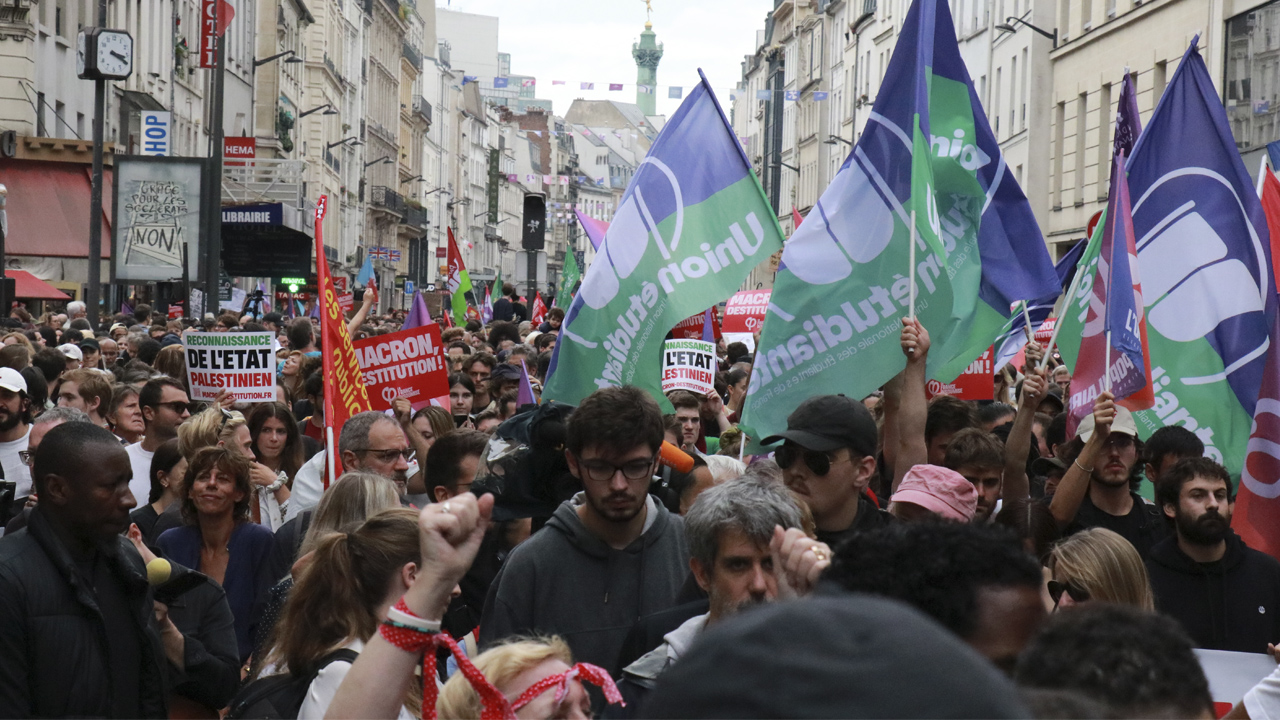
911, 262
1026, 316
1071, 293
1106, 365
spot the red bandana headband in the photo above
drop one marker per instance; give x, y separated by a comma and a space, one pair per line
494, 705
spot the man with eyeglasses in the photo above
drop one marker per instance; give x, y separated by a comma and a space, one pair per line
165, 406
1095, 491
369, 442
609, 555
828, 457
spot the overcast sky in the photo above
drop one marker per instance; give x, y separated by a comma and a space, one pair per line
590, 41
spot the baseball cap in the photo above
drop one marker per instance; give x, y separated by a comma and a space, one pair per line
90, 345
504, 371
830, 422
71, 351
839, 649
939, 490
1047, 465
12, 380
1054, 395
1123, 424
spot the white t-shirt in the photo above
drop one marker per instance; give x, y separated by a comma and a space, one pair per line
14, 470
308, 485
140, 485
325, 686
1263, 701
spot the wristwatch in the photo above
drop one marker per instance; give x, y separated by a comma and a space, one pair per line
279, 483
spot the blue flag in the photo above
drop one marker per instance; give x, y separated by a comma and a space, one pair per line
366, 271
1205, 266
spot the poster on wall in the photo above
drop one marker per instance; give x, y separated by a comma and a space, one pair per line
157, 216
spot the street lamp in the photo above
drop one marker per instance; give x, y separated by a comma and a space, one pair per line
833, 139
293, 58
789, 167
1008, 26
344, 141
415, 177
383, 159
329, 111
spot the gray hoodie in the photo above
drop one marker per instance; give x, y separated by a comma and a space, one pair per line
565, 581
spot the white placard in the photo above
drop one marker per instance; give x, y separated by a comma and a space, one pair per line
689, 365
241, 363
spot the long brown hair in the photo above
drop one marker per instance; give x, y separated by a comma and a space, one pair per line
291, 453
336, 598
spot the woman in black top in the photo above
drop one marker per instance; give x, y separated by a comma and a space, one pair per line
167, 469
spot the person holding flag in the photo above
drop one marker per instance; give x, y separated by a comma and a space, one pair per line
367, 277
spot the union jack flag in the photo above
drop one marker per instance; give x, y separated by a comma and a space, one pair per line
394, 255
378, 253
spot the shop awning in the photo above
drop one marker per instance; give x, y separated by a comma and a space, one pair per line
30, 287
48, 208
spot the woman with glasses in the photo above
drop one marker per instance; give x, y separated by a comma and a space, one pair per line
218, 538
219, 427
1097, 564
167, 468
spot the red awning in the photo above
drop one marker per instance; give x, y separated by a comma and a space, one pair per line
30, 287
48, 208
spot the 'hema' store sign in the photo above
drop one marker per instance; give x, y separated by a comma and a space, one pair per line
157, 131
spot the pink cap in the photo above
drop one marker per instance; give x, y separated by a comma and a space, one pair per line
938, 490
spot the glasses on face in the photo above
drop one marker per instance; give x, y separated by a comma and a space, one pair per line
1076, 593
390, 455
178, 407
26, 456
603, 471
817, 461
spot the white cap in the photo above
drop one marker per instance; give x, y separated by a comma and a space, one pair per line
12, 380
1123, 424
72, 351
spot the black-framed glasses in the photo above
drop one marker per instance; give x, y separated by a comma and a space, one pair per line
1075, 592
26, 456
390, 455
603, 471
787, 455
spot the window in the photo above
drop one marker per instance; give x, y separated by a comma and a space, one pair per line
1022, 89
995, 102
1059, 119
1158, 80
1013, 92
40, 127
1082, 121
1104, 139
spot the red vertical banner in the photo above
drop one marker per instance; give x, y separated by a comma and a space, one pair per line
215, 16
344, 391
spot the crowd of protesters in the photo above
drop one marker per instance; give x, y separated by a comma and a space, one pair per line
883, 556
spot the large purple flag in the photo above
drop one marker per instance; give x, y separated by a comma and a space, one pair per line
418, 315
594, 228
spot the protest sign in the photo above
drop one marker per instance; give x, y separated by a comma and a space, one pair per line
691, 328
241, 363
743, 316
407, 364
977, 382
689, 365
1232, 674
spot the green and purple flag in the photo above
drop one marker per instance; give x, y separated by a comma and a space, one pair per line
692, 225
927, 156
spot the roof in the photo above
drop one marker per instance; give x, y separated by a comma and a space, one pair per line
30, 287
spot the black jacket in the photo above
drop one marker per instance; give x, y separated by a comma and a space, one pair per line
211, 656
53, 655
1233, 604
503, 309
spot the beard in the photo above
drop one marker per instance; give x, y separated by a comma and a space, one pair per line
9, 420
607, 507
1208, 529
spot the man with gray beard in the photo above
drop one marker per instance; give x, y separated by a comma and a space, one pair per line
746, 549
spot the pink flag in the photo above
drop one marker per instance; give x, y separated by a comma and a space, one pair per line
557, 82
615, 86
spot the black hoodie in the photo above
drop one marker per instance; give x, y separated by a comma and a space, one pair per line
1232, 604
565, 581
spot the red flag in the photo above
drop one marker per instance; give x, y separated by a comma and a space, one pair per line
344, 392
539, 310
1256, 517
795, 218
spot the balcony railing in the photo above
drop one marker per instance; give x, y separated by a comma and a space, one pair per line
415, 217
384, 197
263, 180
422, 107
411, 54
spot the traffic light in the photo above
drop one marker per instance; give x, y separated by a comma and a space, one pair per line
534, 235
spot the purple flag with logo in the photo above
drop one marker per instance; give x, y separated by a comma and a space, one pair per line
1128, 124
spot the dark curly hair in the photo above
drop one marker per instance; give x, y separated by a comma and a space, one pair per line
228, 461
936, 567
1139, 663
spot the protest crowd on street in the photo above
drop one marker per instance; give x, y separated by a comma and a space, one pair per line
938, 475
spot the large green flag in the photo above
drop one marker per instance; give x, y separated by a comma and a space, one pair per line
926, 167
568, 280
692, 225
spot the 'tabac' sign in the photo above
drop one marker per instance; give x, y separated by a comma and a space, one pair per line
407, 364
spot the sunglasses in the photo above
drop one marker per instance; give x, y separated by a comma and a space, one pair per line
817, 461
178, 407
1075, 592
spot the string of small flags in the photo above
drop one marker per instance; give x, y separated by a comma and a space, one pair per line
674, 92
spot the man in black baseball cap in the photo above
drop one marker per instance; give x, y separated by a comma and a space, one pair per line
828, 456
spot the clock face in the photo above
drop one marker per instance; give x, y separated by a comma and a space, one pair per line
115, 54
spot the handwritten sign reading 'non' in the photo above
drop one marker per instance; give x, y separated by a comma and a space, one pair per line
689, 365
407, 364
240, 363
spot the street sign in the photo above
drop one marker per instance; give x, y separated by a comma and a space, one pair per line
156, 132
409, 286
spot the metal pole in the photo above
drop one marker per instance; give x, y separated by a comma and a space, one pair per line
533, 280
212, 255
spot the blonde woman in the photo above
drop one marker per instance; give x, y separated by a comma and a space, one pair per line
513, 669
1098, 564
219, 427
